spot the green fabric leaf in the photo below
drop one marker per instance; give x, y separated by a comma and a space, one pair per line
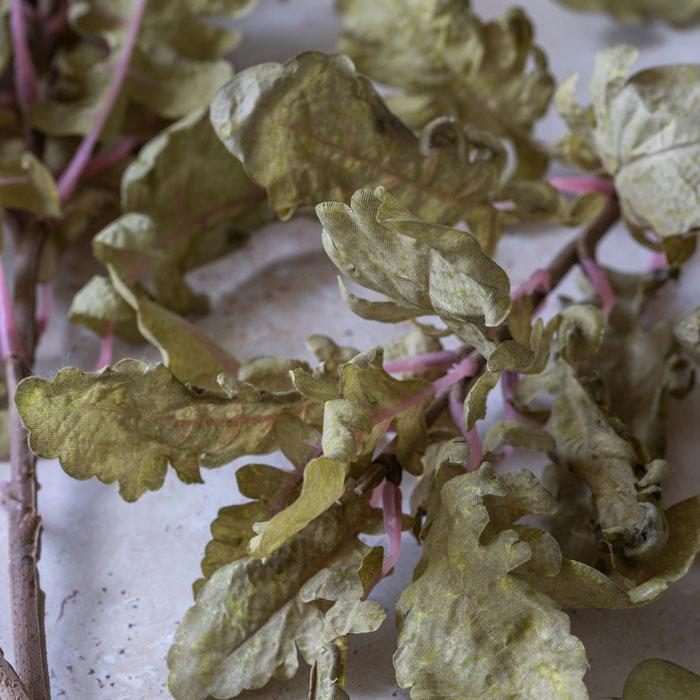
232, 529
352, 426
424, 268
646, 136
516, 434
315, 108
639, 365
475, 402
99, 307
578, 585
127, 422
679, 12
588, 444
189, 203
686, 331
175, 66
252, 616
446, 61
658, 678
26, 184
326, 682
496, 636
192, 357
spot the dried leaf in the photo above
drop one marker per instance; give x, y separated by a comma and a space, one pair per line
315, 108
26, 184
129, 421
511, 644
446, 61
252, 616
679, 12
658, 678
646, 137
424, 268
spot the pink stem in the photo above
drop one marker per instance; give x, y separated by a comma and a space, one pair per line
106, 348
600, 282
442, 359
44, 307
375, 500
457, 414
12, 180
393, 523
71, 175
582, 185
58, 22
475, 455
25, 76
509, 380
108, 160
539, 281
465, 368
8, 330
658, 261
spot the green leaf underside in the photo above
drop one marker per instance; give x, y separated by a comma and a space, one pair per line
129, 421
468, 628
657, 678
315, 108
423, 268
252, 616
446, 61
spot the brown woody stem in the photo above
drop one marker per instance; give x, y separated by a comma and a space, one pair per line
27, 599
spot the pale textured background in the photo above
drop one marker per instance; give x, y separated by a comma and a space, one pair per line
118, 575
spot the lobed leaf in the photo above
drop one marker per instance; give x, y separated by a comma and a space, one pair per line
317, 110
470, 629
444, 60
423, 268
127, 422
253, 616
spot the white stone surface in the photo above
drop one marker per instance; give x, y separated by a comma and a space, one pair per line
118, 575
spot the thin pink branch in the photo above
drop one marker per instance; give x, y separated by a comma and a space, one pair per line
418, 364
539, 281
71, 175
600, 282
582, 185
109, 159
106, 349
393, 524
8, 329
24, 73
658, 261
44, 307
466, 368
475, 454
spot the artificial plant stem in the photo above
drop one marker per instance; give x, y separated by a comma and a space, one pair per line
71, 175
27, 599
25, 76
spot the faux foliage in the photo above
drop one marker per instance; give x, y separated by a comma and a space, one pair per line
127, 124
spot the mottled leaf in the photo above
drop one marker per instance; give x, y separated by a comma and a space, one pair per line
470, 629
127, 422
645, 135
253, 616
679, 12
26, 184
424, 268
315, 108
658, 678
446, 61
